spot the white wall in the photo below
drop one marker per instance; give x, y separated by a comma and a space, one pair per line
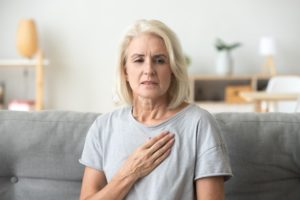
80, 38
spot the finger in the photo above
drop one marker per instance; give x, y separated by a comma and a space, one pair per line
153, 140
162, 158
160, 143
150, 165
163, 149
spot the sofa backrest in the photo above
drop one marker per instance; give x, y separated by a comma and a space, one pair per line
264, 150
39, 154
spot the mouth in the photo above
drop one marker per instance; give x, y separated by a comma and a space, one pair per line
149, 83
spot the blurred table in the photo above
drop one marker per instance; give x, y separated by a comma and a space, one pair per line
257, 97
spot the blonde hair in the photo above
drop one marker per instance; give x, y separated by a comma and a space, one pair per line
179, 88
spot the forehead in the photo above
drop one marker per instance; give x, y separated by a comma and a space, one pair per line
145, 43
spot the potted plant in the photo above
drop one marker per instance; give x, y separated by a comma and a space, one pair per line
224, 60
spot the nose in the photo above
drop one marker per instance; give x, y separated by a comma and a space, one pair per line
149, 68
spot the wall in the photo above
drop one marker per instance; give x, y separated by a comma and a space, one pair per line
80, 38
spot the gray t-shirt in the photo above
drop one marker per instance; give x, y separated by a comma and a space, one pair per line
198, 151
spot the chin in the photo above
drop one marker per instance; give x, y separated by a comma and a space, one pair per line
151, 95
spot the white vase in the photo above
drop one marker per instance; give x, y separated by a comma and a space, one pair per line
224, 64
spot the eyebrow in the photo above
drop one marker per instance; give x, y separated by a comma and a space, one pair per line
137, 55
160, 55
142, 55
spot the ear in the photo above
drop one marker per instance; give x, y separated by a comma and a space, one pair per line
125, 72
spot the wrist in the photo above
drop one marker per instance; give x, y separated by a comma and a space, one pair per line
128, 179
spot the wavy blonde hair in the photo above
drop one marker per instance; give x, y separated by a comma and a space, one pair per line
179, 88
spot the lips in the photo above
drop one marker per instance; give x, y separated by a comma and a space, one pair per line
149, 83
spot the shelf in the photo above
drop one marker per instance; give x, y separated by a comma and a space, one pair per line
21, 62
229, 77
220, 103
38, 62
218, 88
216, 107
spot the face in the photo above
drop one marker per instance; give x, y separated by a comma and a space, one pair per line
147, 67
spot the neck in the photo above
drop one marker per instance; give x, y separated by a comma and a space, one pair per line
149, 111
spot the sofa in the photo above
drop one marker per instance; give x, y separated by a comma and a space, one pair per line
39, 154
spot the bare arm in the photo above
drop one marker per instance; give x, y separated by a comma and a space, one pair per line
94, 186
140, 163
211, 188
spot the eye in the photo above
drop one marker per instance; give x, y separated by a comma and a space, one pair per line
139, 60
160, 60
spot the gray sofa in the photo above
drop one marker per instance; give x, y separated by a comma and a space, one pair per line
39, 154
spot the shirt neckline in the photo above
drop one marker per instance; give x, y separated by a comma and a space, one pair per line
168, 120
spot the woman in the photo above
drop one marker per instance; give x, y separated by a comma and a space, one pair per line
160, 147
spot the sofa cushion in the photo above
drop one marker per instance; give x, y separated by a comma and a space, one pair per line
265, 155
39, 154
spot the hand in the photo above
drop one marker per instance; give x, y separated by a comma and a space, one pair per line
146, 157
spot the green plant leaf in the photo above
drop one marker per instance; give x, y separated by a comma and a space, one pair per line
221, 45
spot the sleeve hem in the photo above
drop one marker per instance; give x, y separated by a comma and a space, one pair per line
90, 165
227, 176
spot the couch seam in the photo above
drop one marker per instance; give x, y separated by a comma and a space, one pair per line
258, 121
45, 121
40, 178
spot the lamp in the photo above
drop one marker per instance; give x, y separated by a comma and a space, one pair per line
27, 41
27, 45
268, 50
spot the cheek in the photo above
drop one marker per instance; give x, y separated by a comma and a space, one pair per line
166, 78
131, 76
168, 74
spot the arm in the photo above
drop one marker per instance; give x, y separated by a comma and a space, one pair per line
140, 163
95, 181
211, 188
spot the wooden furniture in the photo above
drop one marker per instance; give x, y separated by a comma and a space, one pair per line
261, 96
38, 62
222, 92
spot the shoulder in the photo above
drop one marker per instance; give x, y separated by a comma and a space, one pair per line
199, 113
204, 122
106, 121
116, 115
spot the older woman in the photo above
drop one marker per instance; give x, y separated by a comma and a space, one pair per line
159, 147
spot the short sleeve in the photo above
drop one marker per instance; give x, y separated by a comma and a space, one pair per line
211, 156
92, 151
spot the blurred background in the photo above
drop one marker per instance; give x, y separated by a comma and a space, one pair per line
80, 40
